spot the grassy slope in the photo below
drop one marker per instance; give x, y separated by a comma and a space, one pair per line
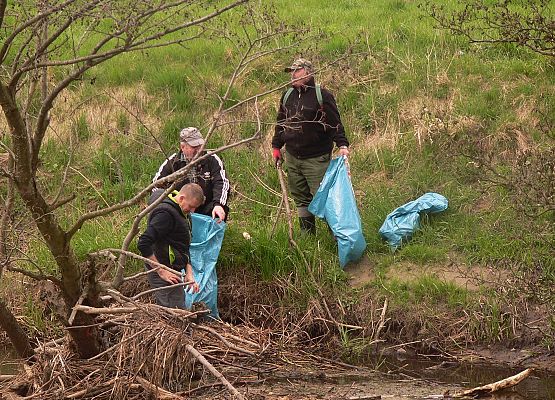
414, 79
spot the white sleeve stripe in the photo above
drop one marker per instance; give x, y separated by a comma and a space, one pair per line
225, 188
157, 176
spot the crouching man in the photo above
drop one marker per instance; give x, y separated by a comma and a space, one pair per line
166, 240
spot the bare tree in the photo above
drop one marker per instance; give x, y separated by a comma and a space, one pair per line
35, 69
528, 23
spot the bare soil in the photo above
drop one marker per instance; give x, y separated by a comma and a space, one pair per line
469, 277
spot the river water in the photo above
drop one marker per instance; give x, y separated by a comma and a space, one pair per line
538, 386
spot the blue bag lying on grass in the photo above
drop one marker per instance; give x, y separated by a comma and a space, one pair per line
403, 221
205, 248
335, 202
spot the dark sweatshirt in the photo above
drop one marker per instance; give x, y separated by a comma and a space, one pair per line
306, 129
209, 174
168, 228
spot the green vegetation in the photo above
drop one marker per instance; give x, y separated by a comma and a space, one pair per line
409, 105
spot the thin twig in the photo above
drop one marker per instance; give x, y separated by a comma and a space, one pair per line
280, 208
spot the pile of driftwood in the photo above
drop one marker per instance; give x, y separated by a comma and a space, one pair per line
155, 352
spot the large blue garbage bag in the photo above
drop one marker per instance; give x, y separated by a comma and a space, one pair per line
335, 202
400, 224
205, 248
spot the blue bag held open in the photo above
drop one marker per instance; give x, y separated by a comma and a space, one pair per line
335, 202
400, 224
205, 248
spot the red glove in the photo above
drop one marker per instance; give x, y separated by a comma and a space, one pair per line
276, 153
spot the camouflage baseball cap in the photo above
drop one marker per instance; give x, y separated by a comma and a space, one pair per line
300, 63
191, 136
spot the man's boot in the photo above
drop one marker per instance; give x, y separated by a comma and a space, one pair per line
308, 224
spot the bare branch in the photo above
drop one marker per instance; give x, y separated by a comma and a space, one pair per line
139, 274
43, 120
280, 87
34, 275
28, 23
40, 51
158, 289
55, 203
91, 185
129, 45
60, 203
105, 252
22, 48
138, 119
110, 53
527, 23
214, 372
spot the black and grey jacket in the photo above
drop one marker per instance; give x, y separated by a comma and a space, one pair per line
209, 174
167, 236
306, 129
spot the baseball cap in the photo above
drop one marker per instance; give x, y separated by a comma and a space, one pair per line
191, 136
300, 63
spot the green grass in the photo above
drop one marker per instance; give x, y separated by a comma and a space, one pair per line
427, 289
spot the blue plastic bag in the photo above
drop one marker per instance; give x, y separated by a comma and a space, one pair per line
403, 221
205, 248
335, 202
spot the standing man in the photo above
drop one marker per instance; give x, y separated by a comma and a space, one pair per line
166, 240
208, 173
308, 123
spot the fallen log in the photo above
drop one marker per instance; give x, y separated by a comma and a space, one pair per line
496, 386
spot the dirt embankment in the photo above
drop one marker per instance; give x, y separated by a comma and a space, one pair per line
353, 324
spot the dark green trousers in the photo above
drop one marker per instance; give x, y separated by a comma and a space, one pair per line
304, 177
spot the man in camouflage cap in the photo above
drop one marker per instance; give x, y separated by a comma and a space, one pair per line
300, 63
308, 124
209, 173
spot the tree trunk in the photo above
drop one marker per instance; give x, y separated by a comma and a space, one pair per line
17, 335
6, 214
85, 338
54, 236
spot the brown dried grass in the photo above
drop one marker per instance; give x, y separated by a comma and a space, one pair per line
102, 113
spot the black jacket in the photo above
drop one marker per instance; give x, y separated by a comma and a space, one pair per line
209, 174
306, 129
167, 228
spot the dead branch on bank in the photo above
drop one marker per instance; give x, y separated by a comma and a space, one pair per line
496, 386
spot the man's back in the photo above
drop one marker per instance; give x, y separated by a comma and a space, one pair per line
168, 235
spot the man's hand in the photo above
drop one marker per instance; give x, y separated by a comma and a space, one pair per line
194, 286
168, 276
218, 212
276, 154
344, 151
